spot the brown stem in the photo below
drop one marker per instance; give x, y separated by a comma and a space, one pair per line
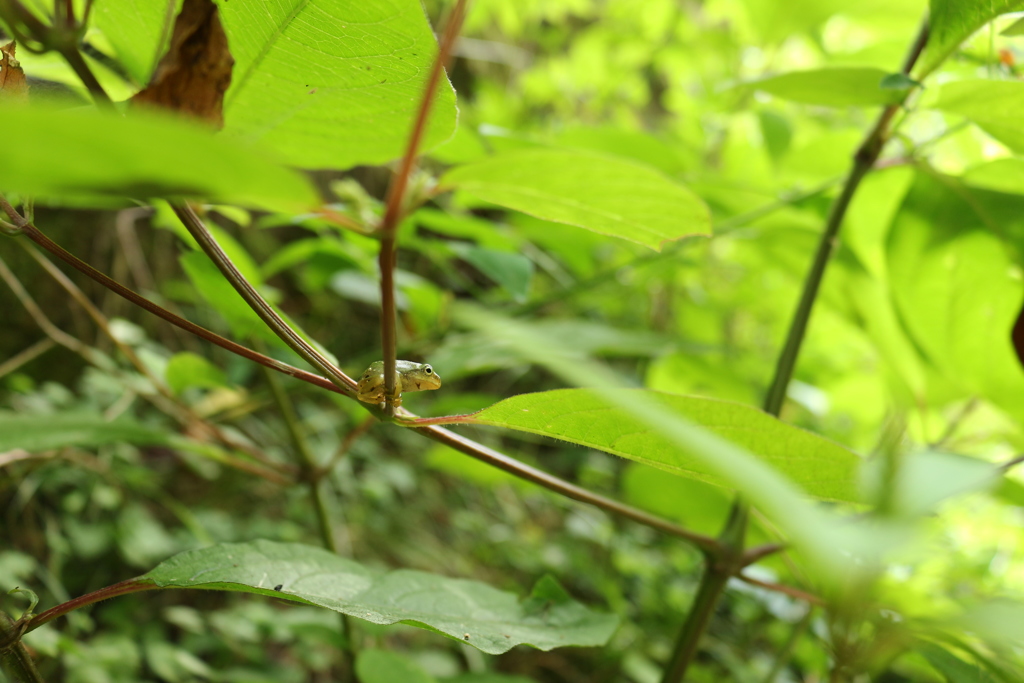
172, 405
14, 658
707, 544
122, 588
781, 588
34, 234
467, 446
395, 199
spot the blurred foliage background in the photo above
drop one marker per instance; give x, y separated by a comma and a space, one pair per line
911, 327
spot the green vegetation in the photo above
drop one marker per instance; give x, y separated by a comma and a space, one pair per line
723, 298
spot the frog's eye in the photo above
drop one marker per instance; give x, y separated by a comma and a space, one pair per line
428, 370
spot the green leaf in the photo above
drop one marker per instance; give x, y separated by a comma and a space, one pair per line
468, 611
834, 87
998, 175
332, 83
993, 105
88, 155
384, 666
956, 288
822, 468
951, 22
823, 538
45, 432
186, 370
603, 194
138, 30
1014, 29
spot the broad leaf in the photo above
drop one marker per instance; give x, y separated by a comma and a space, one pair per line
994, 105
955, 286
834, 87
45, 432
822, 537
468, 611
91, 156
951, 22
604, 194
332, 83
822, 468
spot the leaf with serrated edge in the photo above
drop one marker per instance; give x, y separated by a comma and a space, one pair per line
469, 611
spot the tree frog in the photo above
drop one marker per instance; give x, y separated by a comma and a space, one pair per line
409, 376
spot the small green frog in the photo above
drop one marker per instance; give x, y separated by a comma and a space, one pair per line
409, 376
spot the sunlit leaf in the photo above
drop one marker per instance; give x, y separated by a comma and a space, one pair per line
835, 87
332, 83
993, 105
604, 194
822, 468
468, 611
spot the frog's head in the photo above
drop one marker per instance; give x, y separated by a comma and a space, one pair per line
421, 378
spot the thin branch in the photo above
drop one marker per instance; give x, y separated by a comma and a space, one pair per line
34, 234
865, 157
259, 305
780, 588
122, 588
705, 543
395, 199
26, 356
717, 572
760, 552
173, 405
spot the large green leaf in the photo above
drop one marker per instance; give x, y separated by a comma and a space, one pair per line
473, 613
994, 105
332, 83
823, 538
604, 194
955, 284
92, 156
45, 432
951, 22
824, 469
850, 87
